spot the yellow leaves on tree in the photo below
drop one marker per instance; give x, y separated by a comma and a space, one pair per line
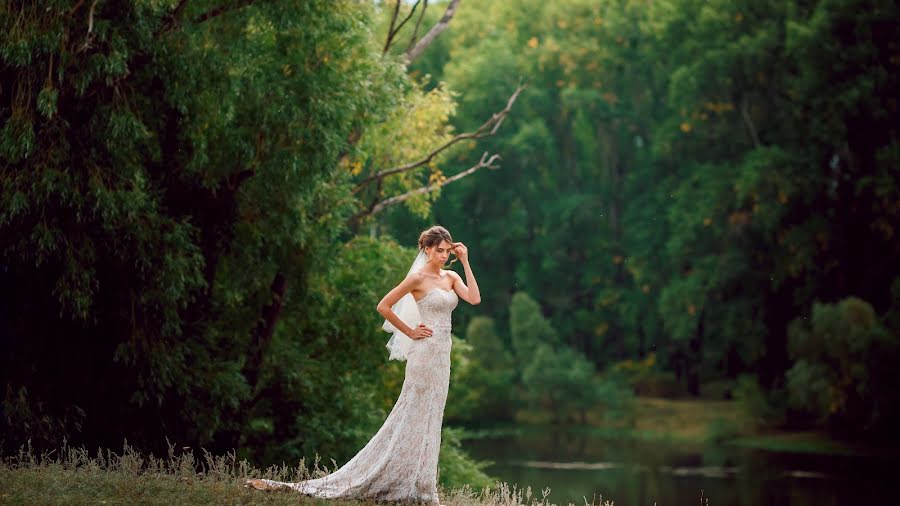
416, 127
718, 107
739, 219
437, 178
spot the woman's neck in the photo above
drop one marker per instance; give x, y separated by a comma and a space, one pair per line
431, 270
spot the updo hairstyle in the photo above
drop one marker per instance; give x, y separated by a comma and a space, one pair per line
433, 236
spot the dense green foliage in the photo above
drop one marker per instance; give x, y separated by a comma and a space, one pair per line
492, 380
185, 250
484, 377
844, 368
143, 207
176, 189
683, 178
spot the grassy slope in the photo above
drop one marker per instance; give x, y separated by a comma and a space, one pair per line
76, 478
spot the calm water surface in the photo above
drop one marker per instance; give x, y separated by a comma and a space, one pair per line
577, 465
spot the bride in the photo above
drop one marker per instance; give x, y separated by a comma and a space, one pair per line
400, 462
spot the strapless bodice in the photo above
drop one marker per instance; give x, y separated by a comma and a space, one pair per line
436, 307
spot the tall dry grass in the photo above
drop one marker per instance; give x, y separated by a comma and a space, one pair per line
74, 476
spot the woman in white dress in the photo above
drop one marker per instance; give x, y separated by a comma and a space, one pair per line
400, 462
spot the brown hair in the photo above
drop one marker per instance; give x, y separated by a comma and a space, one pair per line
433, 236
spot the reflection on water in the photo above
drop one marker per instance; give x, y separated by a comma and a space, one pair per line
580, 465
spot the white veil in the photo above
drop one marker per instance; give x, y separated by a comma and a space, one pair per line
408, 311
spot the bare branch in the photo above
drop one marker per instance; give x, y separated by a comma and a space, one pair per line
432, 34
90, 31
483, 162
487, 129
174, 18
748, 121
76, 7
412, 40
408, 16
392, 32
180, 7
91, 17
222, 9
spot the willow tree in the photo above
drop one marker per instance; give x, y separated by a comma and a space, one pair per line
179, 186
168, 169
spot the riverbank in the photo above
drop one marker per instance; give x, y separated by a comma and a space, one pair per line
130, 478
694, 422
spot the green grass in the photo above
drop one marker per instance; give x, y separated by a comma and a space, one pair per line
72, 476
682, 421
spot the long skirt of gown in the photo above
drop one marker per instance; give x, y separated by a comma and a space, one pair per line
400, 462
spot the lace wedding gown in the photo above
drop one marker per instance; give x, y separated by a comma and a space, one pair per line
400, 462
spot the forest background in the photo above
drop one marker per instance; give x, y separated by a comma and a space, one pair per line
201, 202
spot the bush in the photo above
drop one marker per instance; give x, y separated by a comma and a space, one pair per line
845, 370
646, 379
761, 408
456, 468
616, 400
721, 430
562, 381
483, 376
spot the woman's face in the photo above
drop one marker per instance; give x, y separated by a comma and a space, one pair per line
441, 252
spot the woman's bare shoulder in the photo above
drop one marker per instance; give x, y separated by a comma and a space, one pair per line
414, 279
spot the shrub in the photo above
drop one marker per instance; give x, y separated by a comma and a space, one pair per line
456, 468
646, 379
761, 408
721, 430
846, 362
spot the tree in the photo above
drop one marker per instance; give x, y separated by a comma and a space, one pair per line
690, 175
482, 383
528, 329
844, 369
168, 189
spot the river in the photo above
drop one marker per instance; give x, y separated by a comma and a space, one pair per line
577, 465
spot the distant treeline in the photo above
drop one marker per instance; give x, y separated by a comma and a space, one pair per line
713, 184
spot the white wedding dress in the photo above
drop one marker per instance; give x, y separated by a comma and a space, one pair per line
400, 462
